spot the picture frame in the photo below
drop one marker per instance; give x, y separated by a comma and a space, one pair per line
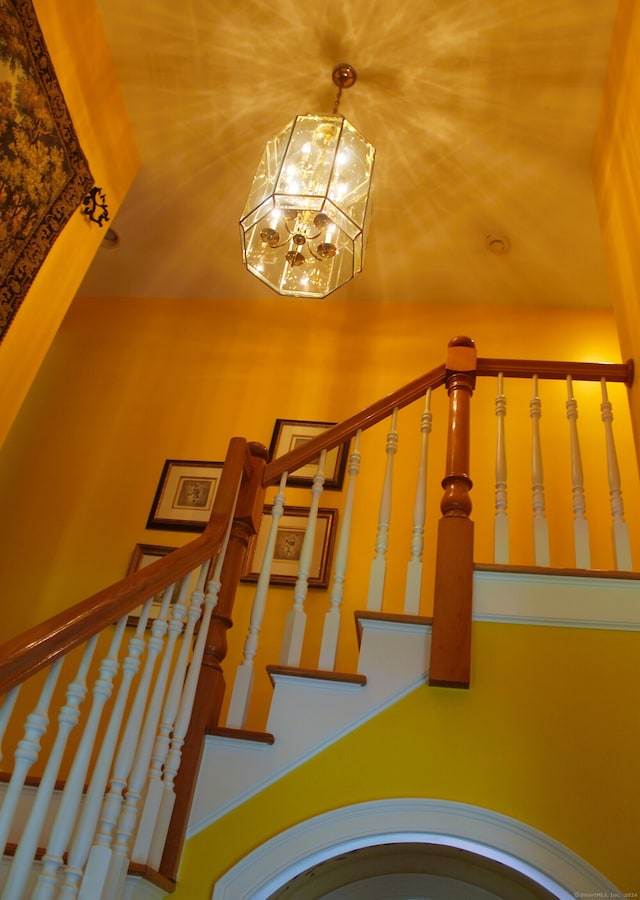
184, 498
290, 433
290, 534
143, 555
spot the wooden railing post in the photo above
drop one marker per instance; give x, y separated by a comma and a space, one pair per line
451, 633
211, 684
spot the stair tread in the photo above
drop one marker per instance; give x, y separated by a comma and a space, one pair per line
242, 734
317, 674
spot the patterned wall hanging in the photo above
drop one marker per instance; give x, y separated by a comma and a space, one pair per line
44, 174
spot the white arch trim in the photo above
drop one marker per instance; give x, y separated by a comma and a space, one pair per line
416, 820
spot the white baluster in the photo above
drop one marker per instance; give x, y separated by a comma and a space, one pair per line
27, 751
174, 755
331, 629
501, 521
127, 819
100, 855
297, 617
580, 527
414, 569
540, 527
153, 795
621, 544
6, 711
243, 682
379, 564
86, 826
70, 803
67, 720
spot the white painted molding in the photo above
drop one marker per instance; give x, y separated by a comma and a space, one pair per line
417, 820
570, 601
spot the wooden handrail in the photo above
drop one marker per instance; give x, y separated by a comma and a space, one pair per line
381, 409
579, 371
345, 430
41, 645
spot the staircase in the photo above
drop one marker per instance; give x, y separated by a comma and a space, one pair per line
145, 772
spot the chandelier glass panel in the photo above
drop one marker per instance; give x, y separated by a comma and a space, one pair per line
304, 225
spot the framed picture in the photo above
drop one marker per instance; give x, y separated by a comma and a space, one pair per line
288, 434
185, 495
143, 555
289, 538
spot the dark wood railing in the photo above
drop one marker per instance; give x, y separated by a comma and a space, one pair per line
344, 431
41, 645
451, 633
621, 373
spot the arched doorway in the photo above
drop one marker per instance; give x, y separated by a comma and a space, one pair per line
416, 870
496, 845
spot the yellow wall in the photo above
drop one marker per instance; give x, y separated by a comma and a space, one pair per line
617, 181
546, 734
77, 46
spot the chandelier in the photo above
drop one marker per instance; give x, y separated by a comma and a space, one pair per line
304, 225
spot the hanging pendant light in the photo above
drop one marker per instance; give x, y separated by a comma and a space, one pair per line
304, 225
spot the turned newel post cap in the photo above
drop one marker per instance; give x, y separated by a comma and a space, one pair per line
258, 449
461, 355
461, 341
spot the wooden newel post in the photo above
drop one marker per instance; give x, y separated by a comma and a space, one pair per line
451, 633
211, 685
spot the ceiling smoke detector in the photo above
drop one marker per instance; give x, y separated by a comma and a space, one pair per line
497, 243
110, 240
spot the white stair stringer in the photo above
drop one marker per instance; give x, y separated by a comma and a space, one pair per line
309, 714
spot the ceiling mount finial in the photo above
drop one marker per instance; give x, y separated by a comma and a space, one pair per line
344, 76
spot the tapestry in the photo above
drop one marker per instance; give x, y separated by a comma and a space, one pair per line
44, 174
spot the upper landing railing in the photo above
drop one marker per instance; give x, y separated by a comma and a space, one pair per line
156, 688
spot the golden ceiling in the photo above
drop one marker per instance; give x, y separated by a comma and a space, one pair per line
483, 115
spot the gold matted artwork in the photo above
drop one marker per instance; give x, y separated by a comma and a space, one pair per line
185, 495
288, 546
288, 434
144, 555
43, 172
